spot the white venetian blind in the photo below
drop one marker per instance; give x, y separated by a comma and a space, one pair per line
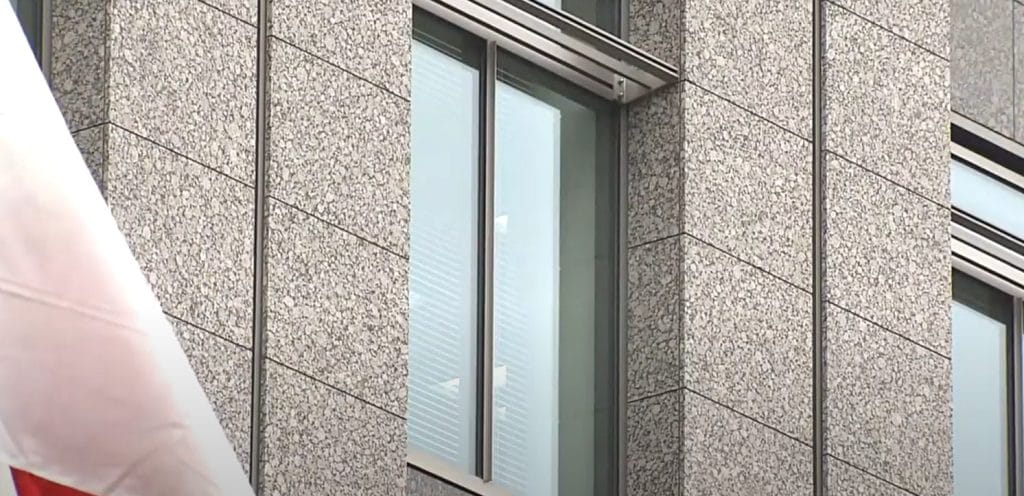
443, 257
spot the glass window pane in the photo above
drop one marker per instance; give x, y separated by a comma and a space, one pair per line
982, 321
601, 13
987, 198
443, 243
30, 13
554, 273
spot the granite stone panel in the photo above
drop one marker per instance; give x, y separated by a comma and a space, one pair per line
183, 74
887, 255
78, 64
887, 104
748, 339
423, 484
981, 59
92, 144
653, 321
1018, 78
339, 148
369, 38
844, 480
652, 445
337, 307
246, 10
727, 454
925, 22
756, 53
318, 440
889, 405
656, 26
748, 186
191, 230
224, 370
654, 158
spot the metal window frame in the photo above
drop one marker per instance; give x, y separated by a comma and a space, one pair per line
561, 44
594, 61
976, 252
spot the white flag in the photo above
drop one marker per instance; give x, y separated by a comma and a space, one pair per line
96, 395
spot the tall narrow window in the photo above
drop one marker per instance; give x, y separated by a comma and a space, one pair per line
554, 284
982, 379
513, 316
444, 247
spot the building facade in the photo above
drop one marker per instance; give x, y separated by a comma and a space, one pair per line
786, 237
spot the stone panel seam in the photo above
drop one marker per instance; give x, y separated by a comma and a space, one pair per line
179, 154
748, 417
208, 331
655, 395
653, 241
747, 110
887, 30
870, 474
90, 126
748, 263
333, 387
886, 329
222, 11
886, 179
338, 67
336, 226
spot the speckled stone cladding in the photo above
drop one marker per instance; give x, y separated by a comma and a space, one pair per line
161, 98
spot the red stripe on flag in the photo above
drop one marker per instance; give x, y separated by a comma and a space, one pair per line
27, 484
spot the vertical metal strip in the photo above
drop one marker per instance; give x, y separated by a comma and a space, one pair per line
1015, 392
818, 250
259, 248
487, 336
622, 344
46, 38
622, 293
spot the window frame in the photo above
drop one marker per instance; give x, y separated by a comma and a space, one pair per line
561, 43
995, 258
43, 51
625, 65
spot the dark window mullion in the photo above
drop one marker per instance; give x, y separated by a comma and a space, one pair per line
486, 337
1014, 383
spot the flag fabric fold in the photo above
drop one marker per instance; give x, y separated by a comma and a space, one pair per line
96, 394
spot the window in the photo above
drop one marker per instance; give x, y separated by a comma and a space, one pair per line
987, 196
983, 333
514, 299
601, 13
552, 266
31, 15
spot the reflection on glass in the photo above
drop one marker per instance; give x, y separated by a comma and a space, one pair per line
601, 13
982, 319
554, 231
987, 198
443, 245
30, 15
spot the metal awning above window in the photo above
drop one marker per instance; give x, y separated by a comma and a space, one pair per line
986, 239
560, 43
